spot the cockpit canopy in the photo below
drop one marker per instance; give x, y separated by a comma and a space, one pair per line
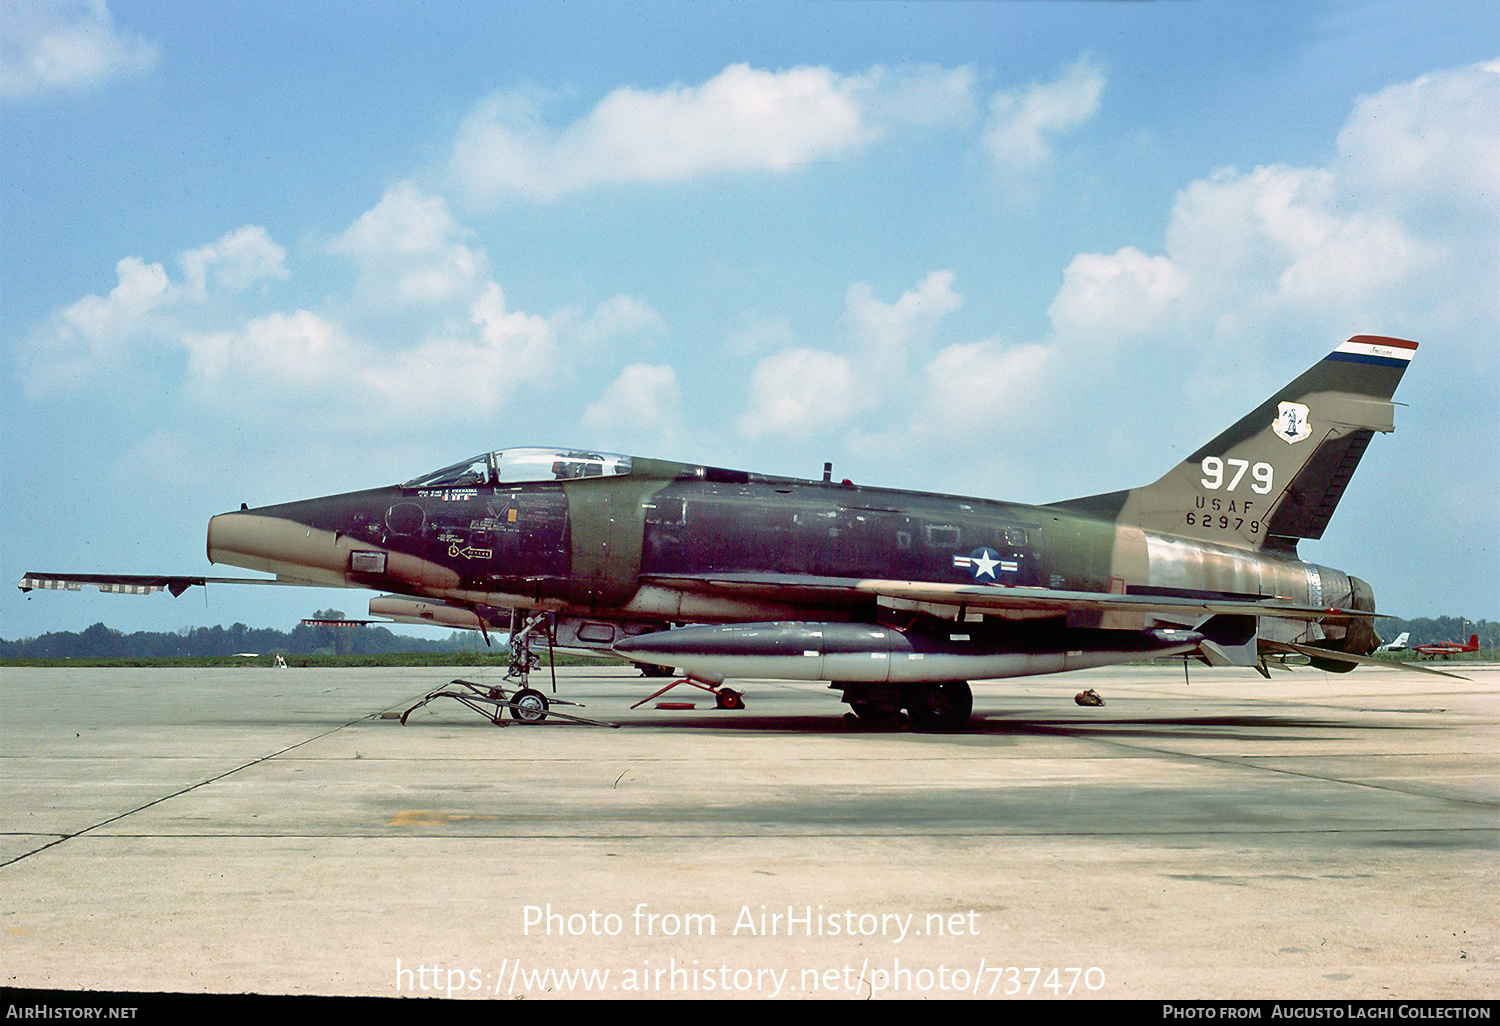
517, 466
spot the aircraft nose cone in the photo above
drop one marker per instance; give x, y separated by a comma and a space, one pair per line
322, 541
226, 534
273, 545
290, 537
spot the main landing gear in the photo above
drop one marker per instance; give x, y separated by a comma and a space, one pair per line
937, 708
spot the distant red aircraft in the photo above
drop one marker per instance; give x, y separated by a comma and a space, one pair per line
1448, 649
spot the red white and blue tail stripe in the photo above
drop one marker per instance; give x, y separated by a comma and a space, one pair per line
1377, 350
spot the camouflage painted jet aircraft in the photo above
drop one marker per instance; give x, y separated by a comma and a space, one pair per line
897, 598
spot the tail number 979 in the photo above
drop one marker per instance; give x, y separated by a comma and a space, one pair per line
1214, 474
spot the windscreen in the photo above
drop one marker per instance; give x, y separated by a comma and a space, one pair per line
517, 466
471, 473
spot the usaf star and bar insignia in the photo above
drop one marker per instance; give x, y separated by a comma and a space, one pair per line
984, 562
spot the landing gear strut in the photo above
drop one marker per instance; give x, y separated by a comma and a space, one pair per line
522, 659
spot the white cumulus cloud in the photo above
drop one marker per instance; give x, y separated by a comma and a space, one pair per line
1024, 121
146, 310
919, 94
800, 392
520, 345
296, 353
643, 400
410, 250
97, 332
620, 316
52, 45
1437, 136
143, 287
459, 350
237, 261
886, 332
1128, 291
976, 388
1242, 246
888, 393
743, 119
285, 359
1398, 234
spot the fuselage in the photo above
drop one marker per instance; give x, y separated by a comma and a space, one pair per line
630, 542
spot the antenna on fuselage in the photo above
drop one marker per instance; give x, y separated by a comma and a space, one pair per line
828, 473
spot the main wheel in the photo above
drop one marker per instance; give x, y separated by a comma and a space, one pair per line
940, 707
870, 711
529, 706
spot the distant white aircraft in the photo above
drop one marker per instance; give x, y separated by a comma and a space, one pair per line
1399, 645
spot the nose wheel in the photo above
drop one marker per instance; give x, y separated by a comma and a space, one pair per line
529, 706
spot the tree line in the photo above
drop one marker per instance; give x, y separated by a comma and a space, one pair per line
102, 642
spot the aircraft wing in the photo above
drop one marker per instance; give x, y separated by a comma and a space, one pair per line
976, 598
813, 589
141, 584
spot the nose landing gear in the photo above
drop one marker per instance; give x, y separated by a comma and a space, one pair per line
526, 704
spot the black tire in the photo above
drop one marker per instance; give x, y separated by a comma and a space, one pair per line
940, 707
529, 706
728, 698
874, 712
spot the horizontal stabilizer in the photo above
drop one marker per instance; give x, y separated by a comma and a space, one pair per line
1334, 655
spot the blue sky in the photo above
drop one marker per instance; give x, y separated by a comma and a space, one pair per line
1027, 251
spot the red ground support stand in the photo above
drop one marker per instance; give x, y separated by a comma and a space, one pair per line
724, 698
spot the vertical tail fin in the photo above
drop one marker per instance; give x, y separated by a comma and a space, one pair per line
1278, 473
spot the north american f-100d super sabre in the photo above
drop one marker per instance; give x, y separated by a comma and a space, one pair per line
897, 598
